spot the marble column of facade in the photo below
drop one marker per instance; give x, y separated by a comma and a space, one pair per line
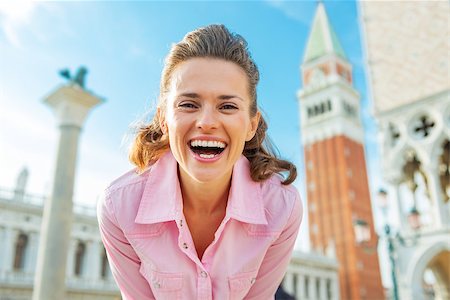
93, 267
33, 244
289, 282
335, 287
440, 213
6, 257
11, 240
323, 288
300, 292
398, 200
312, 288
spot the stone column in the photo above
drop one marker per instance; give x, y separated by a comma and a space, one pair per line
401, 215
312, 288
93, 265
440, 212
71, 104
323, 288
30, 266
7, 250
289, 282
10, 243
300, 293
335, 288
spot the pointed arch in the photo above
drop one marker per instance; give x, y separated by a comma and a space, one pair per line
419, 264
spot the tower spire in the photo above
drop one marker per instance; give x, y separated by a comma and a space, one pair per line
322, 39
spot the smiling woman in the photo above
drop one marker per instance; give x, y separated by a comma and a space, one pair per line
205, 214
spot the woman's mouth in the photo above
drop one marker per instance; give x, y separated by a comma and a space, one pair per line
207, 149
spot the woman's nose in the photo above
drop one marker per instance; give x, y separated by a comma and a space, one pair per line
207, 119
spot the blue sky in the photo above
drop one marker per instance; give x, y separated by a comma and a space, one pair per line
123, 45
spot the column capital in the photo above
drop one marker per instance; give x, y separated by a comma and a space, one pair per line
71, 104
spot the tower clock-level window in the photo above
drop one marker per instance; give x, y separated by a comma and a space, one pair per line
317, 78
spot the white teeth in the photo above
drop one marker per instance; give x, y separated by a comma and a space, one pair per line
199, 143
206, 155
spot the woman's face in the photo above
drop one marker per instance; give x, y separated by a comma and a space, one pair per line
207, 117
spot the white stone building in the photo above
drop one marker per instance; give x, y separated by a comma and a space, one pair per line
88, 275
312, 276
408, 63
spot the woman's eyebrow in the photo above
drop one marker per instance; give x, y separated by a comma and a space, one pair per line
190, 95
221, 97
227, 97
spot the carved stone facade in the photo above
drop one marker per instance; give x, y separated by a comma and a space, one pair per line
88, 275
408, 66
312, 276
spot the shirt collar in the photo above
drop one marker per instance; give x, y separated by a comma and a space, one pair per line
162, 201
245, 201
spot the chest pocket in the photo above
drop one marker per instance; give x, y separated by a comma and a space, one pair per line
240, 284
145, 230
257, 230
165, 286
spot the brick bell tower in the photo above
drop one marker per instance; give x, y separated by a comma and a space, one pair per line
340, 214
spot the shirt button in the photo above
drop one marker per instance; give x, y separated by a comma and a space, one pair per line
157, 285
203, 274
253, 280
181, 223
185, 246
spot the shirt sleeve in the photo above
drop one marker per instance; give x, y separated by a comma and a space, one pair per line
122, 258
277, 258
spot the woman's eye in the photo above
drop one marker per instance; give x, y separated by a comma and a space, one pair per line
187, 105
228, 106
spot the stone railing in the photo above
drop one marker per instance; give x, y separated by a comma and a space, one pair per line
11, 196
24, 279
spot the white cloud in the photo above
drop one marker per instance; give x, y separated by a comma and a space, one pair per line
13, 15
18, 10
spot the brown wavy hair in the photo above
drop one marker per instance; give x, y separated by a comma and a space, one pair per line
213, 41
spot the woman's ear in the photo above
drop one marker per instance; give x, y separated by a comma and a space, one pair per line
162, 120
254, 121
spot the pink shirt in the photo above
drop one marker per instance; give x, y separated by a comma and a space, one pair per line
151, 251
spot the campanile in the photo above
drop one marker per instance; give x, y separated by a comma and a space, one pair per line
336, 177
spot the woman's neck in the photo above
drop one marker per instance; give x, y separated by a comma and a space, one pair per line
204, 198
